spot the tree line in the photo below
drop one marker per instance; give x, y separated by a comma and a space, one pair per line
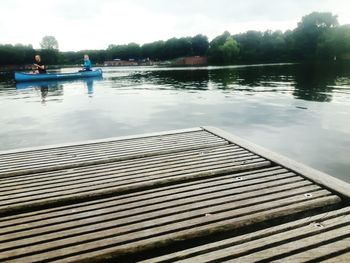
318, 36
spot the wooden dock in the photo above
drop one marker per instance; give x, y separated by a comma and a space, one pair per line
194, 195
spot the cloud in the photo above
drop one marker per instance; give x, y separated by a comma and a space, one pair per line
92, 24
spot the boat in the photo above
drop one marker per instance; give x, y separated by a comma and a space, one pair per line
54, 83
20, 76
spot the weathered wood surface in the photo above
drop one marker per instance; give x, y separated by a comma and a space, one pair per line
318, 177
324, 236
124, 196
50, 159
34, 190
157, 217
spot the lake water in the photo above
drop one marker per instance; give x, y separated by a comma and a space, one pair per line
301, 111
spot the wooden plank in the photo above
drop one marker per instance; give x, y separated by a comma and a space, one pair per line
43, 167
107, 148
98, 141
229, 247
339, 245
141, 181
321, 178
124, 172
150, 205
73, 177
126, 218
252, 179
120, 219
104, 182
73, 164
110, 244
121, 145
340, 257
114, 187
91, 192
231, 156
128, 165
94, 156
80, 187
159, 161
335, 235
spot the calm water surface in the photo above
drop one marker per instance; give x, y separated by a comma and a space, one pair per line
301, 111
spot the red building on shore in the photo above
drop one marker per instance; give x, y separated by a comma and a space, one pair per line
192, 61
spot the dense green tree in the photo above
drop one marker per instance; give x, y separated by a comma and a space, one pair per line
70, 58
335, 43
215, 48
124, 52
318, 36
341, 41
250, 45
230, 51
16, 55
273, 46
175, 48
49, 56
200, 45
311, 29
224, 50
154, 50
220, 40
49, 42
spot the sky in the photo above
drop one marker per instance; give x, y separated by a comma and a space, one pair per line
94, 24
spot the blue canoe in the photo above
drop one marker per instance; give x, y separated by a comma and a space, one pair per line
19, 76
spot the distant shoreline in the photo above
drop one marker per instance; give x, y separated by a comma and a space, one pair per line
12, 68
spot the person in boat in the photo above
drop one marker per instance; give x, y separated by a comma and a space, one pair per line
39, 67
87, 64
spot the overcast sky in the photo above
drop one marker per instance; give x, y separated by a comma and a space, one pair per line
94, 24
